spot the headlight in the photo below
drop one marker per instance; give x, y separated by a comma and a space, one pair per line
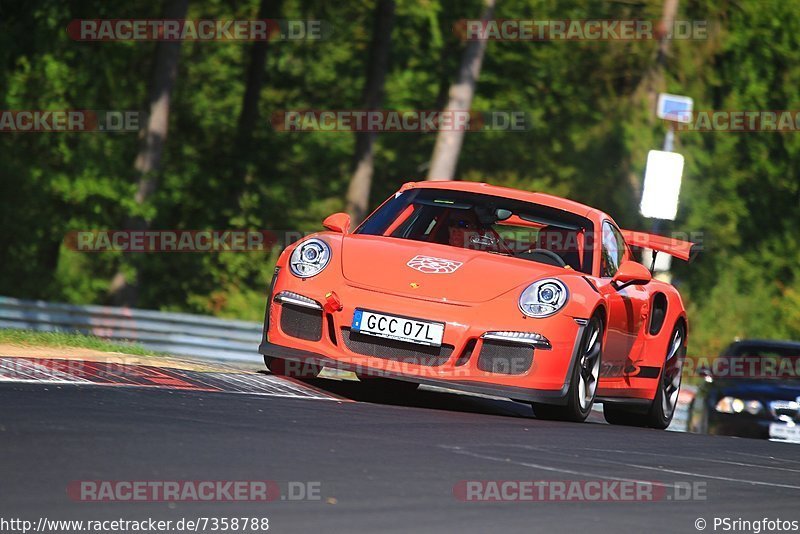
734, 405
309, 258
543, 298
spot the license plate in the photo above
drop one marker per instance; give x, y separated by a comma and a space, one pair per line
399, 328
785, 432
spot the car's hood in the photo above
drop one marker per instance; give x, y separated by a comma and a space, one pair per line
432, 271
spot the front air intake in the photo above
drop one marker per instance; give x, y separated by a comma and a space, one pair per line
301, 322
505, 357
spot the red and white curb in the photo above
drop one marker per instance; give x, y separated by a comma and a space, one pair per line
79, 372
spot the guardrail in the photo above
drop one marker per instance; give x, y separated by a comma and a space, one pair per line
176, 333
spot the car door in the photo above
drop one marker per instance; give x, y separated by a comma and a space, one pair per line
627, 307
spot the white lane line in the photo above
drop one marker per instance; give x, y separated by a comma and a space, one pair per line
762, 457
584, 473
712, 460
686, 473
712, 477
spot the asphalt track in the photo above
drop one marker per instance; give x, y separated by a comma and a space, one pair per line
383, 464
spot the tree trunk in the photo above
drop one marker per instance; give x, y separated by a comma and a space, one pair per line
378, 65
654, 79
249, 115
652, 82
448, 142
124, 292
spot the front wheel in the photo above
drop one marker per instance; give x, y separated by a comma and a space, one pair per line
583, 383
662, 409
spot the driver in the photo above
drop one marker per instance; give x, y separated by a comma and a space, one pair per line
462, 230
563, 242
466, 231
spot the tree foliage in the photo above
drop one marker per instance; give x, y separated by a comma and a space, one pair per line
589, 134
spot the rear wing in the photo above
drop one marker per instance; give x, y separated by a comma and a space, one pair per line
683, 250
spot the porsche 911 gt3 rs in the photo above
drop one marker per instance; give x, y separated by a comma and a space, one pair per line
486, 289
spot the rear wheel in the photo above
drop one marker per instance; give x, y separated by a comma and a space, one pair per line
292, 369
662, 409
583, 384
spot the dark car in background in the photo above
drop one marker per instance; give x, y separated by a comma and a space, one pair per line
751, 390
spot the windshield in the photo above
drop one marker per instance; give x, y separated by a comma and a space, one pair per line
486, 223
756, 361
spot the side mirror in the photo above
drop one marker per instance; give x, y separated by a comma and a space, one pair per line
338, 222
631, 273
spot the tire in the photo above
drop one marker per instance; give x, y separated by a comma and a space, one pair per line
291, 369
583, 383
660, 412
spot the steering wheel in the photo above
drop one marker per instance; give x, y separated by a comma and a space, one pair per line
559, 261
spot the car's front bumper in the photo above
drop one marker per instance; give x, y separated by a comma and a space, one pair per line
305, 358
321, 335
741, 425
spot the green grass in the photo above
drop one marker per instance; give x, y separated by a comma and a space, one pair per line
69, 339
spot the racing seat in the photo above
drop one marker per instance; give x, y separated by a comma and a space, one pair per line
563, 242
461, 230
460, 237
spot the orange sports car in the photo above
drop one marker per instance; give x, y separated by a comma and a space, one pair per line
485, 289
